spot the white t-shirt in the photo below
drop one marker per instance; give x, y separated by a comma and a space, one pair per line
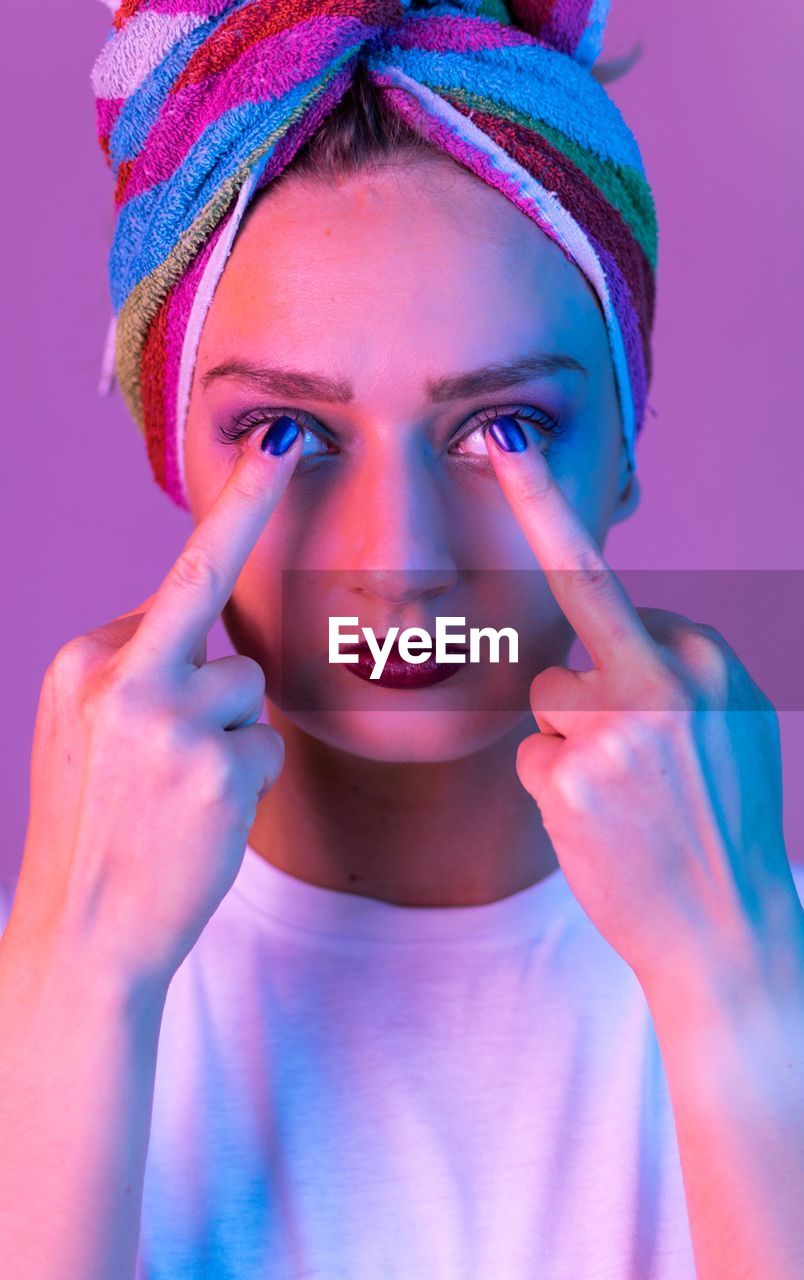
348, 1089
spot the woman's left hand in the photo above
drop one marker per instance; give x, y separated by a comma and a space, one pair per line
658, 772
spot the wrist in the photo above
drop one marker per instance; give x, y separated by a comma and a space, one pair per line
752, 958
59, 967
752, 998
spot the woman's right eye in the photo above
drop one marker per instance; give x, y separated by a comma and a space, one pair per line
316, 443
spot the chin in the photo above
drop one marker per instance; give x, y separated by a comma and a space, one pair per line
413, 736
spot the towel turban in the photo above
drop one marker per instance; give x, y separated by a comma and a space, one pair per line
200, 102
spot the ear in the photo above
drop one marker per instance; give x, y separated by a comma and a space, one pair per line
629, 492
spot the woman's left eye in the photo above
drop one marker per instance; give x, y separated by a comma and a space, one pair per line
474, 439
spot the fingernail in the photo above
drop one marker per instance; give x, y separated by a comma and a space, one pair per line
280, 435
508, 434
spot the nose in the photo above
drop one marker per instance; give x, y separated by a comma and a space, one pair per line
396, 540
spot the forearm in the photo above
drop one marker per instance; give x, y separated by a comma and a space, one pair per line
733, 1054
77, 1066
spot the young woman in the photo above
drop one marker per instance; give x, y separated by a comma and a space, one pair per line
476, 970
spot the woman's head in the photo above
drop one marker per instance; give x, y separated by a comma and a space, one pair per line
387, 283
199, 107
393, 239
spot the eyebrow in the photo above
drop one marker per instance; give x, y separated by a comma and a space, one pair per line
299, 384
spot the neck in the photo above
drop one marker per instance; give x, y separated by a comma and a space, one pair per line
455, 833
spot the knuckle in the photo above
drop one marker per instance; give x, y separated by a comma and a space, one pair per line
541, 684
591, 572
71, 663
708, 660
622, 747
706, 628
703, 640
274, 748
251, 673
68, 677
175, 749
571, 779
638, 741
553, 689
533, 488
216, 773
527, 758
247, 485
222, 764
195, 568
265, 754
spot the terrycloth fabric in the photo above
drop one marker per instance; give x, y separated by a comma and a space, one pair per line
200, 102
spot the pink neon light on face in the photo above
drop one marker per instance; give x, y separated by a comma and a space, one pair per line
385, 283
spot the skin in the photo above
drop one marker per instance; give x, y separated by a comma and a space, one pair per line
326, 278
141, 745
656, 773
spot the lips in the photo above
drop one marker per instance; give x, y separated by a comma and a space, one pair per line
399, 674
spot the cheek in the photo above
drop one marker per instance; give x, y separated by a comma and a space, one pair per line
253, 615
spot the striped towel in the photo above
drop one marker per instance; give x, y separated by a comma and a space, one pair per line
200, 102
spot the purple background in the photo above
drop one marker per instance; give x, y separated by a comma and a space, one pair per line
716, 103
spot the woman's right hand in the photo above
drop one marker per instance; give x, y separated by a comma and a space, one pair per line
147, 761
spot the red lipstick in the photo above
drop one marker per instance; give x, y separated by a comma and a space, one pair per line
399, 674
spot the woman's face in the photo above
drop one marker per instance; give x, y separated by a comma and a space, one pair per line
377, 296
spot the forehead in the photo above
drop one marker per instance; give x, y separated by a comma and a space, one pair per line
416, 264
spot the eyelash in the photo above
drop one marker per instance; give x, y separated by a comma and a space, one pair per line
548, 424
246, 422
